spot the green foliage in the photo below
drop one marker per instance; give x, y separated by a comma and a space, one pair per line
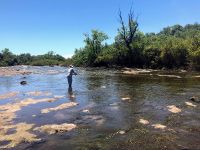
7, 58
67, 62
24, 59
48, 59
174, 53
152, 57
173, 47
196, 59
80, 57
107, 56
193, 45
44, 62
93, 46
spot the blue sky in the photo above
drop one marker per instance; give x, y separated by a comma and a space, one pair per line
38, 26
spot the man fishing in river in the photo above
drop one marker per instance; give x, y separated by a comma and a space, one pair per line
71, 72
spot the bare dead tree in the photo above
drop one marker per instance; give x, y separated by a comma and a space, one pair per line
128, 32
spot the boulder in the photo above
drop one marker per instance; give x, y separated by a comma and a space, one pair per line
195, 99
23, 82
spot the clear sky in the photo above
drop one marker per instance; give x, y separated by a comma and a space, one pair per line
38, 26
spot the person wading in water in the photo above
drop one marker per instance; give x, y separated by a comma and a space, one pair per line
69, 76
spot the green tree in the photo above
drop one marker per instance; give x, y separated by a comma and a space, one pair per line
94, 44
108, 56
8, 58
24, 59
80, 57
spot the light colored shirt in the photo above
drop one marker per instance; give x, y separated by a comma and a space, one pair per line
71, 72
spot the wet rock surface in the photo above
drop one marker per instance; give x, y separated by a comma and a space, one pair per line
54, 128
195, 99
60, 107
23, 82
20, 134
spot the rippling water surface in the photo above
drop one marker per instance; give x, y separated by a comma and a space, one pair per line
116, 104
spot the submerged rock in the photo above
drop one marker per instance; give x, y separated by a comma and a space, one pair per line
132, 71
59, 96
54, 128
98, 120
7, 111
103, 87
126, 99
60, 107
159, 126
20, 135
197, 76
121, 132
86, 111
143, 121
190, 104
8, 95
173, 109
170, 76
38, 93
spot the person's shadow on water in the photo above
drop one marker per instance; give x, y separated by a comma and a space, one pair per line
71, 94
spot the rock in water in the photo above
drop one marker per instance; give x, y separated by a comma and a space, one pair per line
23, 82
55, 128
195, 99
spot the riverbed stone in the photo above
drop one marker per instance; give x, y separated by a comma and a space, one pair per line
23, 82
195, 99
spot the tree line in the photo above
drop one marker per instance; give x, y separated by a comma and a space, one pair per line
173, 47
7, 58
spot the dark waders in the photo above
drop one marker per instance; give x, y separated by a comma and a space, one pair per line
69, 79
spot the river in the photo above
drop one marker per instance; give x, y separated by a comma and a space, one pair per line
113, 111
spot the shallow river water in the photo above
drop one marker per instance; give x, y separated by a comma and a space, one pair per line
115, 111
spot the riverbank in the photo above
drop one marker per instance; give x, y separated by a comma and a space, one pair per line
11, 71
25, 70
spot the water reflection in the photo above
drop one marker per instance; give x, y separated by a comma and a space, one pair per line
71, 94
